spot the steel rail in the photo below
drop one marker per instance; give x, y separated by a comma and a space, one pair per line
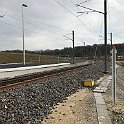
13, 83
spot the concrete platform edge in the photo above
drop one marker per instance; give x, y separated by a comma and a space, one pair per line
103, 116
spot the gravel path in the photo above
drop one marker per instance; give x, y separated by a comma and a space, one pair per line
116, 112
29, 105
79, 108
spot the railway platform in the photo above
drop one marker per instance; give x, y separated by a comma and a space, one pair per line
12, 72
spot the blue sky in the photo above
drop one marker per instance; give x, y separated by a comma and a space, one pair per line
46, 21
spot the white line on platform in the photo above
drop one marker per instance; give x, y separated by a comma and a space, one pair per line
32, 67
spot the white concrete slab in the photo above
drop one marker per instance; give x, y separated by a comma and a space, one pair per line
103, 86
12, 72
103, 116
98, 91
32, 67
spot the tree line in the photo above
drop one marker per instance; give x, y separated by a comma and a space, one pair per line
96, 50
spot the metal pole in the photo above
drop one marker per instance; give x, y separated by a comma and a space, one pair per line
73, 47
84, 50
23, 5
95, 52
1, 17
111, 39
105, 33
23, 36
114, 74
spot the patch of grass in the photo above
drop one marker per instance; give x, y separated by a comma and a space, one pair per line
6, 57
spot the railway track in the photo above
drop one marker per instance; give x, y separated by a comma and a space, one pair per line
23, 80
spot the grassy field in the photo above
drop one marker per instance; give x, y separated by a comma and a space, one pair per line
6, 57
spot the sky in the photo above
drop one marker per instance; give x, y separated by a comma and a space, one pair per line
48, 24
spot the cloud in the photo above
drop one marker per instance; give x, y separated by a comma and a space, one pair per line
46, 22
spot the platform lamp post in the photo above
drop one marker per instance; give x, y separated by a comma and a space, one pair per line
1, 17
23, 5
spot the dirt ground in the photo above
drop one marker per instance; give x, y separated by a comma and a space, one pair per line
116, 111
79, 108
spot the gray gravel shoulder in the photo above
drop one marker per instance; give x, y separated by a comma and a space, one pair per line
30, 104
116, 112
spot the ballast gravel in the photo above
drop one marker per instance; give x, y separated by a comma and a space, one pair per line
32, 103
116, 111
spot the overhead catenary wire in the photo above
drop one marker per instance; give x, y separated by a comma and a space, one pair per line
78, 19
53, 32
27, 30
28, 19
30, 23
82, 18
16, 17
90, 11
74, 16
35, 25
85, 1
19, 19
